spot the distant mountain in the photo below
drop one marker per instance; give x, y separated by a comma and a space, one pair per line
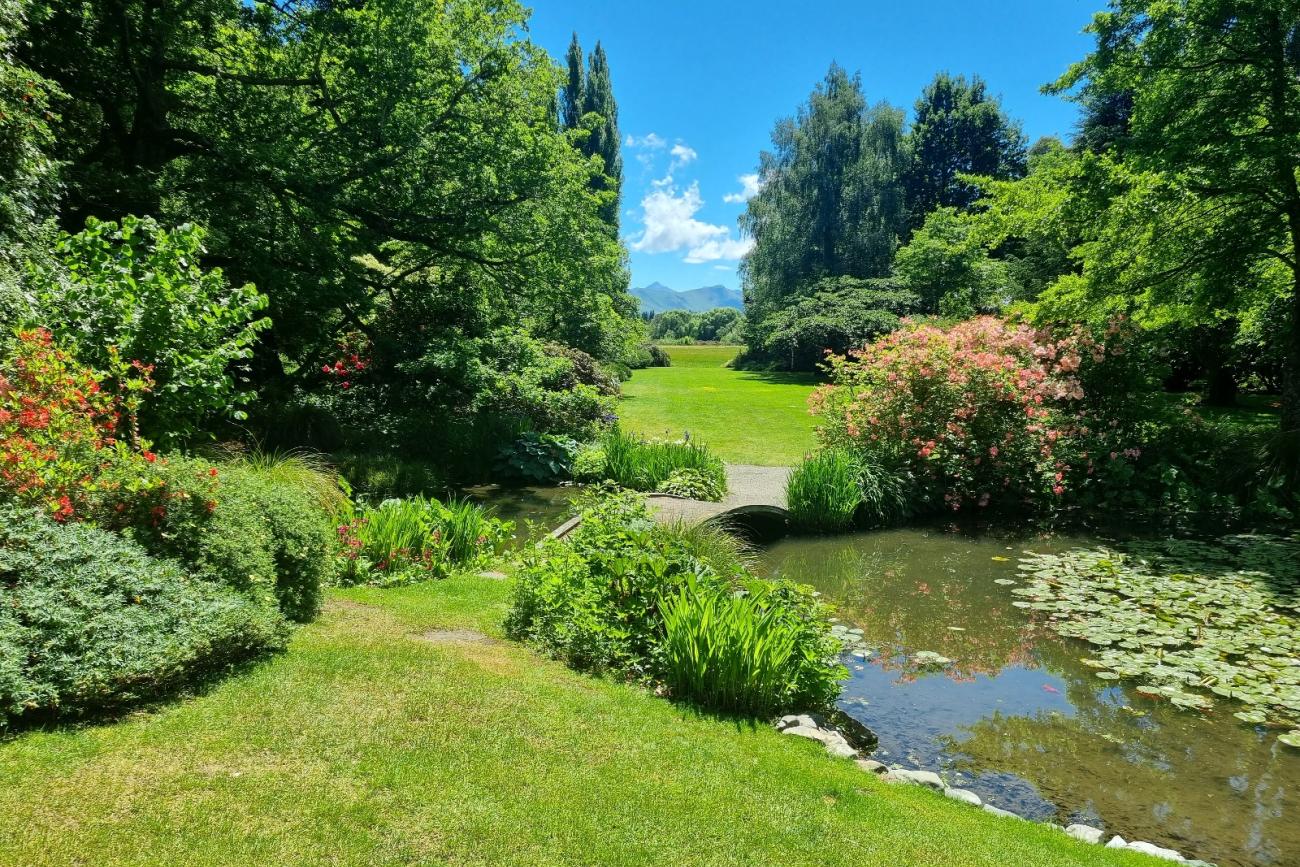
656, 298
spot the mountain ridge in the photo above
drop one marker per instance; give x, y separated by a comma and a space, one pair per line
658, 298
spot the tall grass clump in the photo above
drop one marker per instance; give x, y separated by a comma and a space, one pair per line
825, 491
748, 652
642, 465
625, 595
400, 541
308, 472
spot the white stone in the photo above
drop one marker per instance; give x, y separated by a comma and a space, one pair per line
1086, 833
1155, 851
1117, 842
964, 795
919, 778
998, 811
803, 731
801, 719
872, 766
841, 750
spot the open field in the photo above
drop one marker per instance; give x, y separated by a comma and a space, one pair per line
746, 417
376, 740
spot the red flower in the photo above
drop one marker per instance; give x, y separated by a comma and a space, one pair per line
149, 456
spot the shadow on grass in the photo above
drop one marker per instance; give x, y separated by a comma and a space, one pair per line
156, 701
776, 377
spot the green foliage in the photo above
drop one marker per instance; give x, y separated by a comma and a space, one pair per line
1183, 617
28, 174
600, 601
402, 541
589, 463
824, 492
950, 270
693, 484
539, 458
753, 652
90, 621
958, 129
642, 465
720, 325
379, 476
831, 202
841, 314
136, 291
477, 221
261, 524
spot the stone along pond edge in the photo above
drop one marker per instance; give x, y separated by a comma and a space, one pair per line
837, 744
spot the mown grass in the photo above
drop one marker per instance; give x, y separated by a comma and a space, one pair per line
745, 417
374, 740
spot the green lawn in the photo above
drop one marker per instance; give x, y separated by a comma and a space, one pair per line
745, 417
368, 743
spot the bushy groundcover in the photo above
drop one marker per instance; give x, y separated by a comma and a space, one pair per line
89, 620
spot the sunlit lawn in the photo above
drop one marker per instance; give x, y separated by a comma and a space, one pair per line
746, 417
369, 743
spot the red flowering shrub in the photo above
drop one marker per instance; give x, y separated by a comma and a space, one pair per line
984, 411
57, 427
61, 442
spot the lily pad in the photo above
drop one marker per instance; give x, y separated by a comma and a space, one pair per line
1291, 739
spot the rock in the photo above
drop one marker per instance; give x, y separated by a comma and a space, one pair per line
928, 779
1155, 851
803, 731
858, 735
889, 777
872, 766
790, 720
841, 750
964, 795
1086, 833
1117, 842
998, 811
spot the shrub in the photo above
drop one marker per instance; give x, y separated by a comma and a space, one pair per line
985, 410
645, 466
825, 491
379, 477
597, 601
692, 484
659, 356
58, 428
138, 289
589, 463
261, 525
400, 541
756, 651
541, 458
88, 620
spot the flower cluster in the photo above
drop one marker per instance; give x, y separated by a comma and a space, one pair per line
351, 363
978, 412
57, 426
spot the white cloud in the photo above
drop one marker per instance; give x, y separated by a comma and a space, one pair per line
683, 155
749, 187
649, 141
726, 248
670, 225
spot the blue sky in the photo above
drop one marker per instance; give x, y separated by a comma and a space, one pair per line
700, 84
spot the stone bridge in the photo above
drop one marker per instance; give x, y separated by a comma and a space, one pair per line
755, 504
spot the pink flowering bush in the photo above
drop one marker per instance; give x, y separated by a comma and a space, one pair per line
986, 411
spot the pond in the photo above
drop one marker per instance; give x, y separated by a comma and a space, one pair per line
535, 510
1017, 717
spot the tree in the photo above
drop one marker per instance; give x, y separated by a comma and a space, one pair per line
1216, 115
27, 172
598, 100
958, 129
575, 87
339, 154
831, 201
840, 314
949, 268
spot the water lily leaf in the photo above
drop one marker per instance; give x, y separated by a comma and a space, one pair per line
1291, 739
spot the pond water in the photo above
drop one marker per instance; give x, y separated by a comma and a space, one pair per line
1018, 719
535, 510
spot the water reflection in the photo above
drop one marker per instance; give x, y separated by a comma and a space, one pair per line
535, 510
1020, 720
